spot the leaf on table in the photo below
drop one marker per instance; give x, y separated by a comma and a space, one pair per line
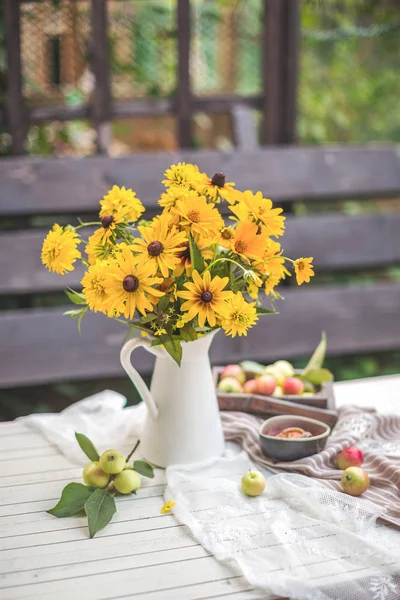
100, 508
73, 499
144, 468
87, 446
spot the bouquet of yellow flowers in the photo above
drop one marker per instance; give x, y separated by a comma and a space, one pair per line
185, 272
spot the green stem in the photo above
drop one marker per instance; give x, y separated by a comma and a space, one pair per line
132, 451
82, 224
227, 260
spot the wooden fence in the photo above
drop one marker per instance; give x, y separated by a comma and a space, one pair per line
277, 100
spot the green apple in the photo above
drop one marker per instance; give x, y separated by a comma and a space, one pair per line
253, 483
94, 475
285, 367
112, 461
230, 385
276, 373
278, 392
127, 481
355, 481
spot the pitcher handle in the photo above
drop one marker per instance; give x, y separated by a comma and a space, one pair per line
134, 376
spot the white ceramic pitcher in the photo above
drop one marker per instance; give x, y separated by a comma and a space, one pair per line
183, 424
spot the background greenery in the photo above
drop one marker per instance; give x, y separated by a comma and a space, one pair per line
349, 91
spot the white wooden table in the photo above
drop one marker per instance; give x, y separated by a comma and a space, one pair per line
141, 554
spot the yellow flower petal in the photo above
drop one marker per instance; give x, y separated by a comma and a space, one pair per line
167, 507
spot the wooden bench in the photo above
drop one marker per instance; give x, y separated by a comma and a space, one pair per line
41, 346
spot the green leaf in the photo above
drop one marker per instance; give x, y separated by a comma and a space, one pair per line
317, 376
148, 318
100, 508
73, 499
80, 317
74, 313
196, 256
188, 333
317, 359
87, 446
163, 304
264, 311
75, 297
250, 366
174, 349
144, 468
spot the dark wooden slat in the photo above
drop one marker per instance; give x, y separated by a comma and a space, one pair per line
280, 51
290, 69
335, 241
38, 186
14, 101
99, 48
184, 95
220, 103
339, 242
46, 347
271, 72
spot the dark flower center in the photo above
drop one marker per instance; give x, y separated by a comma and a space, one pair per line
130, 283
106, 221
218, 179
184, 254
206, 296
155, 248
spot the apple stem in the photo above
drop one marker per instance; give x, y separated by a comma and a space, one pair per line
111, 488
132, 451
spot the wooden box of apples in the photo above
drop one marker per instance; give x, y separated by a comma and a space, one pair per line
278, 388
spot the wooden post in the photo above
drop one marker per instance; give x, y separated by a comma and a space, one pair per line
184, 96
14, 101
101, 105
280, 71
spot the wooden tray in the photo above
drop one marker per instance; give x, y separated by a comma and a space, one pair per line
321, 406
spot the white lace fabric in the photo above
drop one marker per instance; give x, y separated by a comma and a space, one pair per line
298, 539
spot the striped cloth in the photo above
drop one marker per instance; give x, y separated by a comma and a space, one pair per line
378, 436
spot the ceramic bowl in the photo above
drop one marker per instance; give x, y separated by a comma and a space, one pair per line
288, 449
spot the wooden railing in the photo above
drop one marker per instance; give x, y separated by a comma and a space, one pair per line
277, 100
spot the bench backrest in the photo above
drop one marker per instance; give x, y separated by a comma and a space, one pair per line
39, 345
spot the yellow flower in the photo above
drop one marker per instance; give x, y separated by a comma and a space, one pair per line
121, 198
304, 270
167, 507
238, 316
95, 250
259, 209
185, 261
59, 250
172, 195
129, 285
109, 224
253, 290
246, 242
159, 247
204, 297
182, 174
95, 288
217, 186
202, 218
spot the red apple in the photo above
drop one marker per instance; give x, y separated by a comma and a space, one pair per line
350, 457
235, 371
265, 385
230, 385
293, 386
355, 481
250, 386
